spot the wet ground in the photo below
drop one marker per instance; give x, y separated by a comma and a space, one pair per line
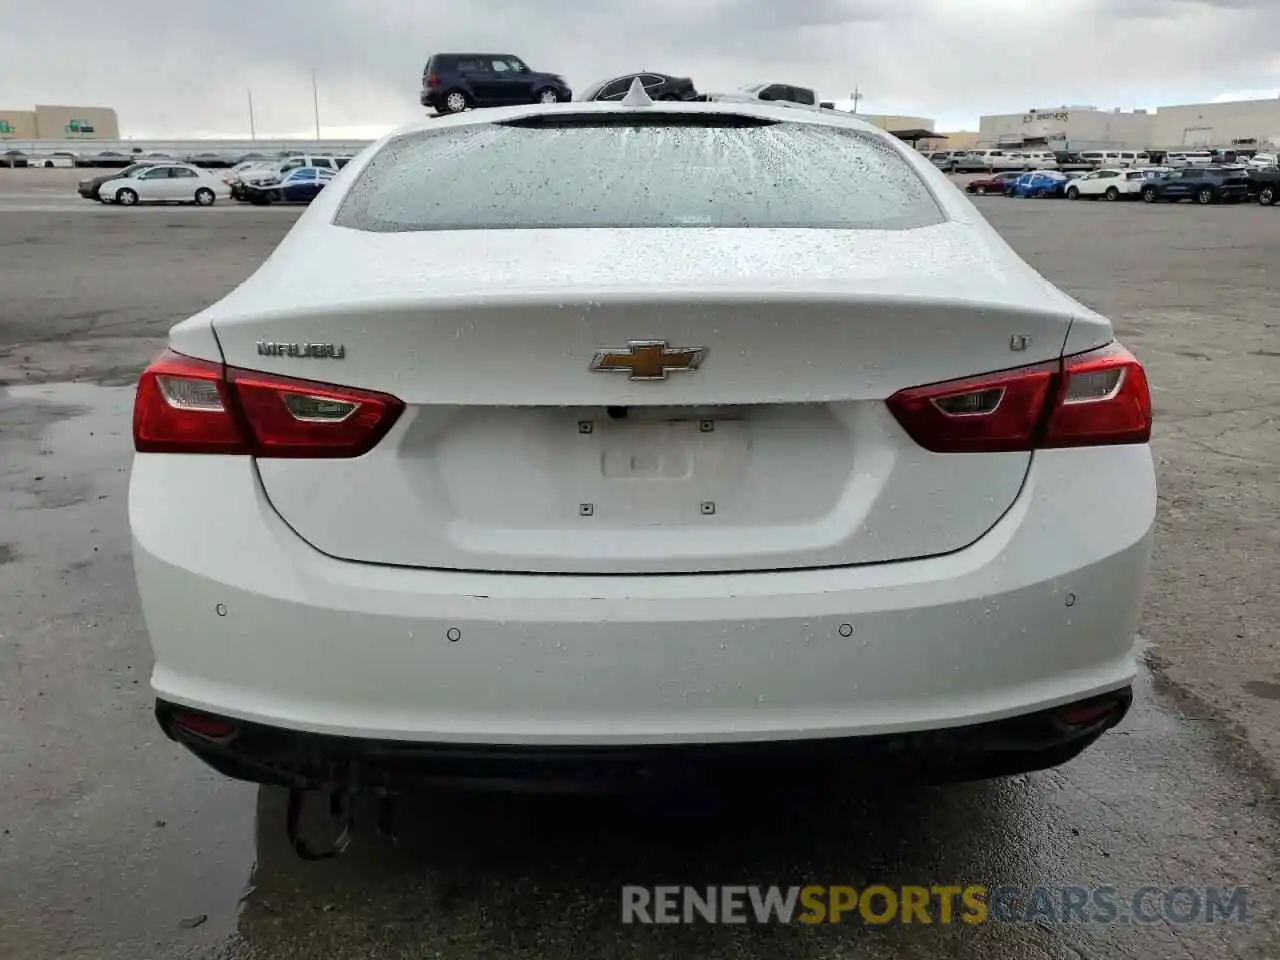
114, 843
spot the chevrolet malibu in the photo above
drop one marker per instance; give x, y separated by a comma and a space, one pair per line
670, 434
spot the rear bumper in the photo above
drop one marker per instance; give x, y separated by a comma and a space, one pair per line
289, 758
249, 622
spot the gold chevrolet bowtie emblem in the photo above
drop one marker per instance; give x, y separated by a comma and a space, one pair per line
648, 359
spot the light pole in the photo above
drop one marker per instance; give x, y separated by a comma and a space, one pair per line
315, 101
253, 131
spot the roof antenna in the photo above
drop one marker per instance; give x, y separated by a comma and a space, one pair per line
637, 96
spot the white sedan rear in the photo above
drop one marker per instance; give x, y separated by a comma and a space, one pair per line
556, 437
166, 183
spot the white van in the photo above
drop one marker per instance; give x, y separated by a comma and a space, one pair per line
990, 160
1134, 158
1188, 158
1040, 160
1101, 158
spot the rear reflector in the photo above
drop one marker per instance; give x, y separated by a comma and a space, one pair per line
1087, 712
214, 728
184, 405
1095, 398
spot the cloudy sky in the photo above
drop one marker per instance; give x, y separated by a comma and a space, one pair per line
179, 69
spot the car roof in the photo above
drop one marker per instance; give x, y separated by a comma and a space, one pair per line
636, 73
473, 54
732, 105
740, 96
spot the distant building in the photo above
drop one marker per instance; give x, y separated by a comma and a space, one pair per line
1239, 123
53, 122
1068, 128
951, 140
893, 123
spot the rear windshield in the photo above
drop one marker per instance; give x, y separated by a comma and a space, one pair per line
710, 170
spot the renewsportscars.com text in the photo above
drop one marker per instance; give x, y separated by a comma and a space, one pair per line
938, 904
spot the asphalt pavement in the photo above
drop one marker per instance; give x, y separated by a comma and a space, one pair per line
114, 843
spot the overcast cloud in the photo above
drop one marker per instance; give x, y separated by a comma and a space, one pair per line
184, 69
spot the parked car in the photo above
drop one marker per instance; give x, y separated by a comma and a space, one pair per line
59, 159
742, 96
1040, 184
370, 550
1040, 160
13, 158
1262, 160
90, 189
232, 173
1198, 183
946, 160
999, 183
1188, 158
209, 160
453, 82
990, 160
270, 173
783, 92
165, 183
1112, 184
109, 159
300, 185
1112, 159
1069, 162
1264, 183
659, 86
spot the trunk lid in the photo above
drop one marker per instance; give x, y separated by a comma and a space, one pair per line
514, 455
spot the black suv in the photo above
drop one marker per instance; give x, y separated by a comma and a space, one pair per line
452, 82
1264, 183
1201, 184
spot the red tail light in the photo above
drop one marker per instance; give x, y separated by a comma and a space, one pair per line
1094, 398
184, 405
432, 80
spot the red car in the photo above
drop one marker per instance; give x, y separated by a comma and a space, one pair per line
999, 183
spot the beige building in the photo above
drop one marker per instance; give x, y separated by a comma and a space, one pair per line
1237, 123
55, 122
892, 123
951, 140
17, 125
1069, 128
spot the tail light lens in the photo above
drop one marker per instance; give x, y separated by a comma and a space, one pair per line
1090, 399
432, 80
184, 405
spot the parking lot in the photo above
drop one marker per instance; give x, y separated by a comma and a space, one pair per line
116, 843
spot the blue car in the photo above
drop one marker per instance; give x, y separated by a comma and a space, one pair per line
1040, 184
298, 186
